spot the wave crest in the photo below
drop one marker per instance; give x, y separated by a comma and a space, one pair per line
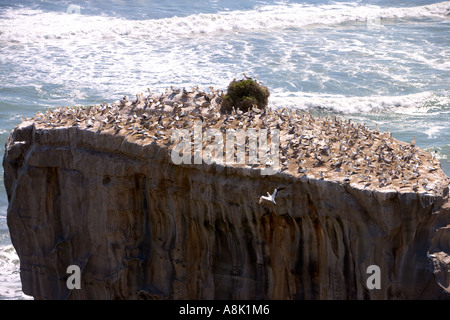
28, 24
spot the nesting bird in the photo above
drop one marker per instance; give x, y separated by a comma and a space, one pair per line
325, 148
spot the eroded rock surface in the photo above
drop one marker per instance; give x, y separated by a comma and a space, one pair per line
96, 187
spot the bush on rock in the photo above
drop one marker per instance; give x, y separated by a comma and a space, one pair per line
243, 94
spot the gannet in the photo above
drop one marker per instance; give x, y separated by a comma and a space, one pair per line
270, 197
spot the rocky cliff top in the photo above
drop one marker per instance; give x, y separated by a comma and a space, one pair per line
322, 148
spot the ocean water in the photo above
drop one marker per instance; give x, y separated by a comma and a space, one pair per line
375, 62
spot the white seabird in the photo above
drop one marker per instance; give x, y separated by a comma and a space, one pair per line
430, 256
270, 197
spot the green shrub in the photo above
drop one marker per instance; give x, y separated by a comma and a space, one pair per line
243, 94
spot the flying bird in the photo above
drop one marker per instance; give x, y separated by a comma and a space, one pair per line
270, 197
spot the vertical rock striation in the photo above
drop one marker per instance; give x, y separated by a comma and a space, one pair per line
87, 190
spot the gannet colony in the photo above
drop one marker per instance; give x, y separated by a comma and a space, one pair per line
317, 147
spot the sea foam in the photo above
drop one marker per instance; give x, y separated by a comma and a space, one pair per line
23, 25
10, 285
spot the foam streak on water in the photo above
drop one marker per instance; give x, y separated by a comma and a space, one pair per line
38, 25
9, 276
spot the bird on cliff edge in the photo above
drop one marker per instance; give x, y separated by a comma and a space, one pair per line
270, 197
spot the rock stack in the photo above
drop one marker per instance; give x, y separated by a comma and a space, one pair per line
97, 187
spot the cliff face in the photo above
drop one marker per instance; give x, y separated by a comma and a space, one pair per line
141, 227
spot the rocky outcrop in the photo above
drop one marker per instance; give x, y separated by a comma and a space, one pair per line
97, 188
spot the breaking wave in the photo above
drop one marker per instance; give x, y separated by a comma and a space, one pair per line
23, 25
